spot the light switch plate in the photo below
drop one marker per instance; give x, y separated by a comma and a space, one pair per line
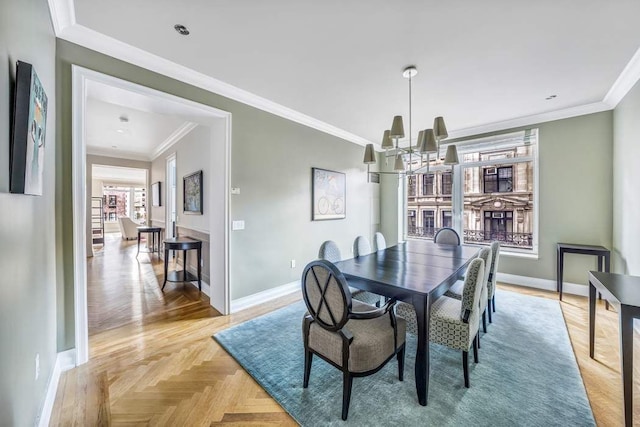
235, 190
237, 225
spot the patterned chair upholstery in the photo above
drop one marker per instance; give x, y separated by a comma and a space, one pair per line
447, 236
492, 281
354, 337
329, 251
455, 323
361, 246
380, 241
456, 290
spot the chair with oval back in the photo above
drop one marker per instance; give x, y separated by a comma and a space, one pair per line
380, 241
491, 283
447, 236
356, 338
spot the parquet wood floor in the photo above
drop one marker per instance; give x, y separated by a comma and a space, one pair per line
155, 366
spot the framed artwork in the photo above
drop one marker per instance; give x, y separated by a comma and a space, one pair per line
28, 132
328, 190
192, 193
156, 191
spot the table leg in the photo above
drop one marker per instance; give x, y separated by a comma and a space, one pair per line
166, 266
138, 244
421, 306
626, 353
184, 265
592, 318
200, 269
560, 271
607, 268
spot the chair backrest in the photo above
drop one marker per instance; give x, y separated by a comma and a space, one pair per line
329, 250
326, 294
448, 236
361, 246
491, 283
487, 256
380, 242
472, 289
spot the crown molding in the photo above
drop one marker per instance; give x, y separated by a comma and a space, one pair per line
176, 136
625, 81
118, 154
63, 15
99, 42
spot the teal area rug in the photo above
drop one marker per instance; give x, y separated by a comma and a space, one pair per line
527, 375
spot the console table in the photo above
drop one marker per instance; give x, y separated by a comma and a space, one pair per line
182, 244
601, 252
624, 293
153, 231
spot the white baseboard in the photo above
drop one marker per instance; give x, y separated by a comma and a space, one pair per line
546, 284
264, 296
64, 361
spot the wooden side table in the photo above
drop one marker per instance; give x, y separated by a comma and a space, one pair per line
153, 231
182, 244
601, 252
624, 293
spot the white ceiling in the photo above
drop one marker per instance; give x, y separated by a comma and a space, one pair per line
341, 62
115, 174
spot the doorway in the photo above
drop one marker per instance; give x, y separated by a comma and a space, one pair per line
172, 196
216, 198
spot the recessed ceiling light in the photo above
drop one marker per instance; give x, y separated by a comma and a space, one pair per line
120, 130
114, 146
123, 119
550, 97
181, 29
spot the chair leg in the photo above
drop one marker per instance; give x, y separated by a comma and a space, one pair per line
465, 369
484, 320
475, 348
400, 357
308, 358
494, 303
489, 311
478, 336
346, 394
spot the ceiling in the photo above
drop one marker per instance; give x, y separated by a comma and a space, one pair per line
479, 63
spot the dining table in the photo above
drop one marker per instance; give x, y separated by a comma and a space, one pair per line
416, 272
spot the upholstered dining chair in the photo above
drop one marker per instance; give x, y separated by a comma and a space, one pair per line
492, 281
361, 246
380, 241
456, 290
448, 236
329, 251
356, 338
454, 323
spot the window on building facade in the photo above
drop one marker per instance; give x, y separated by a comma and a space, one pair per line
446, 183
493, 193
427, 184
411, 186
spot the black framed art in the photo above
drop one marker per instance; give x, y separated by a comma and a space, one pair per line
192, 193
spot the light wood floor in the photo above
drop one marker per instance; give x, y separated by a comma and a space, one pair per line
154, 366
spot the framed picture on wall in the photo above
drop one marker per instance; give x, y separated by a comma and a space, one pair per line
329, 191
192, 193
156, 192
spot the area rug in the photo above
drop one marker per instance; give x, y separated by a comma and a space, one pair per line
527, 375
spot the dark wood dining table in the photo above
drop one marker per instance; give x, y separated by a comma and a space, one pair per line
416, 272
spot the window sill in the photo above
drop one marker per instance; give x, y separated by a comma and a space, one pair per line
511, 253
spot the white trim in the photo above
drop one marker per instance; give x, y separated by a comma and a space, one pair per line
546, 284
64, 361
264, 296
625, 81
63, 14
176, 136
80, 78
112, 47
117, 154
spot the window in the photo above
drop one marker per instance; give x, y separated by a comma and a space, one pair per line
411, 220
411, 183
446, 183
427, 184
498, 179
490, 195
123, 200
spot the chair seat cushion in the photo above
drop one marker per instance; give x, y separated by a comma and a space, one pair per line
364, 296
455, 291
446, 326
372, 341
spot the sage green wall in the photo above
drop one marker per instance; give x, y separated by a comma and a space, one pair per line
626, 184
271, 164
27, 227
575, 197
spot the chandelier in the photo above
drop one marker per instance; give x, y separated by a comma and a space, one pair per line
428, 140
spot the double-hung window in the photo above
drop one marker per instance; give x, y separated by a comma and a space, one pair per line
491, 195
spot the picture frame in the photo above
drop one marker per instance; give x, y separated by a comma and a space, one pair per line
28, 132
328, 194
192, 193
156, 194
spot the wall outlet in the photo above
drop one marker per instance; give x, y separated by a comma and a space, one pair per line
293, 263
37, 366
237, 225
235, 190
